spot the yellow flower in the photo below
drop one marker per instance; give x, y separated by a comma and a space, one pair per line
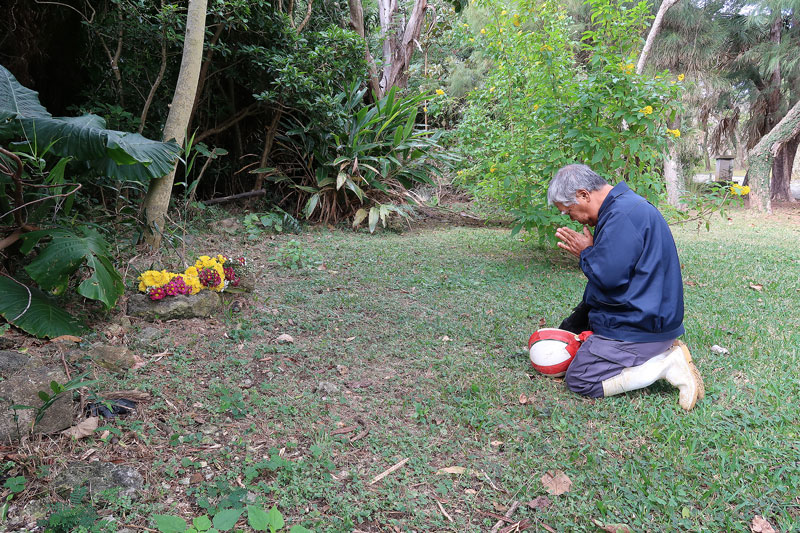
739, 190
471, 39
491, 89
519, 32
439, 92
493, 168
424, 109
483, 31
501, 30
676, 132
680, 77
516, 21
535, 107
646, 110
503, 12
546, 48
465, 25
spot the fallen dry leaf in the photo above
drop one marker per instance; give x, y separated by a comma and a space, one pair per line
496, 443
690, 283
138, 362
458, 470
542, 322
556, 482
612, 528
69, 338
523, 399
470, 491
540, 502
499, 507
760, 525
757, 287
285, 338
446, 338
84, 429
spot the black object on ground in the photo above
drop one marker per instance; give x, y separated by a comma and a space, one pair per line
111, 408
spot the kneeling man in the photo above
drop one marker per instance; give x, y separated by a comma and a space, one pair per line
633, 300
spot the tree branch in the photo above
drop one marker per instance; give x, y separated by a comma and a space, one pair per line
244, 113
651, 37
307, 17
160, 77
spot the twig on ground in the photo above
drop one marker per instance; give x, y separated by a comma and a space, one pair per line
342, 431
510, 512
450, 518
360, 435
388, 471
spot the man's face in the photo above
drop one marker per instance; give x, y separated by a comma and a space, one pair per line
582, 212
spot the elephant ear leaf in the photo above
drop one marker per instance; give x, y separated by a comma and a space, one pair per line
66, 253
114, 153
32, 311
16, 100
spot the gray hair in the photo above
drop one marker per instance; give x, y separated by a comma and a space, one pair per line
571, 178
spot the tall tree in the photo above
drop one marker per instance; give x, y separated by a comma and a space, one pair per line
763, 154
400, 37
156, 202
671, 175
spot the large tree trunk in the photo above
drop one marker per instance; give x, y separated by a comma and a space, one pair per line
762, 154
156, 202
782, 171
399, 40
671, 174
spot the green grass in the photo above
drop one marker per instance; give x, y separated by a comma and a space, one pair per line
374, 323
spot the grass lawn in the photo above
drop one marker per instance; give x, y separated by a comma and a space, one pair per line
412, 346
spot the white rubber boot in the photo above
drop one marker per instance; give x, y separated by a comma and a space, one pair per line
674, 365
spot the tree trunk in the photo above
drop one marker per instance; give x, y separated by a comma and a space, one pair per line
782, 171
671, 157
761, 156
156, 202
357, 23
654, 30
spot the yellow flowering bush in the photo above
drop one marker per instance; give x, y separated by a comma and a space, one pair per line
646, 110
740, 190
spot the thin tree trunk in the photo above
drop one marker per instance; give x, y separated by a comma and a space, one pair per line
270, 138
156, 202
761, 156
152, 94
671, 171
395, 74
357, 23
654, 31
201, 82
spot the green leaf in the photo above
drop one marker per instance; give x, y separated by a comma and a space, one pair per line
114, 153
300, 529
15, 484
341, 178
202, 523
257, 518
275, 519
167, 523
65, 254
42, 318
225, 520
16, 100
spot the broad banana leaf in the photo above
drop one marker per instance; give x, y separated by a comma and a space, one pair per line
65, 254
42, 318
113, 153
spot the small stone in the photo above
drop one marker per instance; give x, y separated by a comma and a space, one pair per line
247, 383
327, 388
184, 481
148, 335
101, 478
113, 358
284, 338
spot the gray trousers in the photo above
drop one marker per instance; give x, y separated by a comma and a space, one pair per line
600, 358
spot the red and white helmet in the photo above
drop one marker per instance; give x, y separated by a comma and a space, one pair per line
552, 350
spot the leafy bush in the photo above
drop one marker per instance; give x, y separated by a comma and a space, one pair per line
555, 98
379, 152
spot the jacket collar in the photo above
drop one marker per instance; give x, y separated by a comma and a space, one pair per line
618, 190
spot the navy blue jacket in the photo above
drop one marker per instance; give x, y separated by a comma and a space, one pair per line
635, 290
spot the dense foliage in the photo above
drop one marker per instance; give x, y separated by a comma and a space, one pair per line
554, 97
